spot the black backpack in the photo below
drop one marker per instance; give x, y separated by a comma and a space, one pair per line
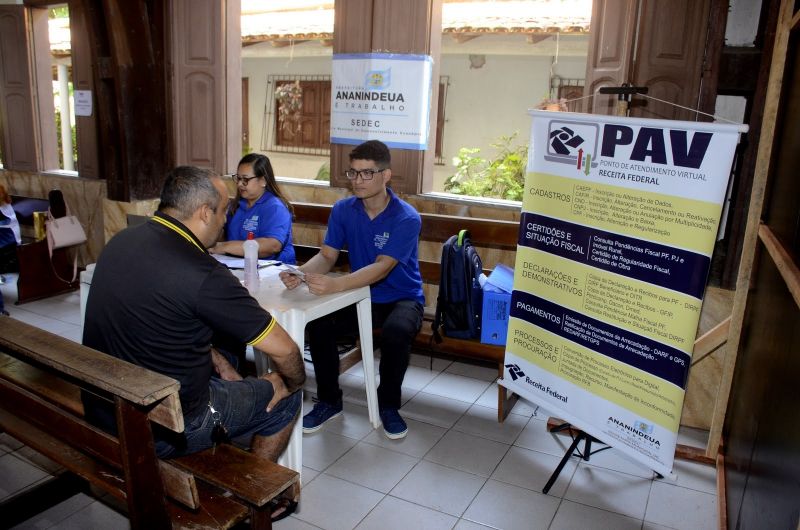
458, 306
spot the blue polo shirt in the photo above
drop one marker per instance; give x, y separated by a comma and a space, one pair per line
394, 233
268, 217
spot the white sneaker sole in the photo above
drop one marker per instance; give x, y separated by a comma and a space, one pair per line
395, 436
309, 430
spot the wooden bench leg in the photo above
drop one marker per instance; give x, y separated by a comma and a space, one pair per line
145, 493
505, 398
261, 518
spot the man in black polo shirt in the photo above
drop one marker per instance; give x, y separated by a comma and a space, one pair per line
158, 298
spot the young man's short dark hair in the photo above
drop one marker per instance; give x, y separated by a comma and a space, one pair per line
372, 150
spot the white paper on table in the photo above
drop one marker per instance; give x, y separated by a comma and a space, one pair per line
233, 262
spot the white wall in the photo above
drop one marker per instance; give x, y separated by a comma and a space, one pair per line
488, 102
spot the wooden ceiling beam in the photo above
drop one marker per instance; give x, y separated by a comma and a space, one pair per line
534, 38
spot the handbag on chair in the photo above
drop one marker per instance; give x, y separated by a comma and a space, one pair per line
64, 232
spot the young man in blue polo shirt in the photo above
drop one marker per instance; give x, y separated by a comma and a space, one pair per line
381, 234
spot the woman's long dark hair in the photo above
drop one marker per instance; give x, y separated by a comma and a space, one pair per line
263, 168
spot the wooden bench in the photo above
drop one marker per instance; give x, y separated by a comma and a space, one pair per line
485, 233
41, 376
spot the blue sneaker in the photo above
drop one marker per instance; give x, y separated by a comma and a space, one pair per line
322, 412
393, 425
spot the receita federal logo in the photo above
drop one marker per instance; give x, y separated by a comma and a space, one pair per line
573, 143
515, 371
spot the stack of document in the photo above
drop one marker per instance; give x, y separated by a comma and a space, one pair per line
233, 262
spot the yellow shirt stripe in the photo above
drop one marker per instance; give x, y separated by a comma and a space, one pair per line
179, 230
263, 334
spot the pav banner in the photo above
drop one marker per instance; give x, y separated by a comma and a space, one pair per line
381, 96
618, 225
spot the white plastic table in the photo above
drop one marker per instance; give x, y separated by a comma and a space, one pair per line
296, 308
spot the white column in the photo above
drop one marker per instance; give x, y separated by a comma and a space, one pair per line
66, 121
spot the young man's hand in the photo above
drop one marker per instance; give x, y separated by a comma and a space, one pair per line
291, 281
225, 369
322, 284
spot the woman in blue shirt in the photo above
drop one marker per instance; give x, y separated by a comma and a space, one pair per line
260, 208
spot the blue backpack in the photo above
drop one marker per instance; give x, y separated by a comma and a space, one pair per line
458, 306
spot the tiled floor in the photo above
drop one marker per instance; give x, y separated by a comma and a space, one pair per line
458, 468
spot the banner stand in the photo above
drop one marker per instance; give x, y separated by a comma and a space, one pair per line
587, 452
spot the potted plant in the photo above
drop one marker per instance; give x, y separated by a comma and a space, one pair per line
290, 104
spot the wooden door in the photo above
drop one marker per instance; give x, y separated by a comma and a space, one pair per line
648, 43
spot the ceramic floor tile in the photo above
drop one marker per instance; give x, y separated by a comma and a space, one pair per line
95, 515
424, 361
417, 377
464, 524
322, 448
52, 516
484, 372
482, 421
437, 410
694, 475
531, 470
646, 525
420, 439
468, 453
439, 488
9, 444
510, 507
354, 423
17, 475
609, 490
293, 523
75, 334
456, 387
308, 475
489, 398
524, 408
372, 466
681, 508
535, 436
571, 515
37, 459
335, 504
396, 514
616, 461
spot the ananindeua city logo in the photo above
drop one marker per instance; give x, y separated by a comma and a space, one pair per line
573, 143
378, 79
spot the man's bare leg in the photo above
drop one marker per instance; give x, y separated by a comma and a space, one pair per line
271, 447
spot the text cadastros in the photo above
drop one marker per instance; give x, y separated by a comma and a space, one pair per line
363, 95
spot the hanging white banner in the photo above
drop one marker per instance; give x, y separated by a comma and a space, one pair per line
617, 229
381, 96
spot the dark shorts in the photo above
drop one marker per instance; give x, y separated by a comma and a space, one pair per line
242, 406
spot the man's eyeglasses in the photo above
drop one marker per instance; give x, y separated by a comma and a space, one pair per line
242, 179
365, 174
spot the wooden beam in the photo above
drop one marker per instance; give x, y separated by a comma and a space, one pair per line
783, 261
710, 341
763, 164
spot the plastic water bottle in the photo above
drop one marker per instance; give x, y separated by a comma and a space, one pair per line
251, 263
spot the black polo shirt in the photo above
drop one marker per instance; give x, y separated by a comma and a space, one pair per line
157, 298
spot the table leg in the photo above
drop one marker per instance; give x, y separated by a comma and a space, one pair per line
364, 309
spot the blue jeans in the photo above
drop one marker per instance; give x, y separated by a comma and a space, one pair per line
400, 322
242, 406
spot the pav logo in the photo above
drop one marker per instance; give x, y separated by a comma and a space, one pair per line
573, 143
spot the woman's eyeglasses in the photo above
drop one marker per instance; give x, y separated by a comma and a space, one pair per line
242, 179
365, 174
